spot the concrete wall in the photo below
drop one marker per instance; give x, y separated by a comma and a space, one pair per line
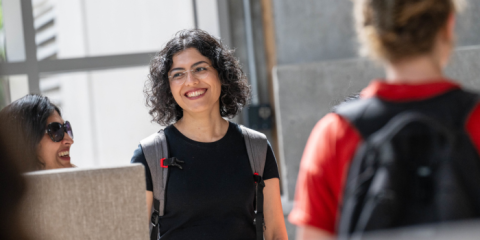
313, 30
79, 203
468, 27
305, 93
318, 30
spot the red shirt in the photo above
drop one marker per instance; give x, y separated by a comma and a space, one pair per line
332, 144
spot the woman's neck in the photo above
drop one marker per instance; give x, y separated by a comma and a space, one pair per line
203, 127
418, 70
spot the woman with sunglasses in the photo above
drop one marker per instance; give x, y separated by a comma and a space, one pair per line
38, 133
194, 84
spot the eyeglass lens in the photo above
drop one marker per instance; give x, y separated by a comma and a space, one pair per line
199, 72
57, 130
68, 129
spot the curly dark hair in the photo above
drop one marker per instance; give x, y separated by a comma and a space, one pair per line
235, 90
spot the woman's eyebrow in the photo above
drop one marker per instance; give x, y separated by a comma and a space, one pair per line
177, 69
197, 63
193, 65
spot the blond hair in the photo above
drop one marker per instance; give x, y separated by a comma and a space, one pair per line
396, 29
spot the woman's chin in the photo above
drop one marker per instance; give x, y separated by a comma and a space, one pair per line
198, 109
201, 108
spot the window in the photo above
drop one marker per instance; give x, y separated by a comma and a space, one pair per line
107, 111
91, 57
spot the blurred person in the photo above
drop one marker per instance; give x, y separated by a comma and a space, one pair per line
15, 158
413, 40
194, 84
12, 187
37, 134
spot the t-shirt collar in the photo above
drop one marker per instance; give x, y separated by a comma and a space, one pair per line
407, 92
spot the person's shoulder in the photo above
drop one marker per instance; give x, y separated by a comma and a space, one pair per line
332, 123
331, 127
138, 156
235, 127
331, 134
240, 129
168, 129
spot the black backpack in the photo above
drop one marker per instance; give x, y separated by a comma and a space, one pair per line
417, 164
155, 149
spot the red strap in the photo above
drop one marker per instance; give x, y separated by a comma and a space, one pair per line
161, 163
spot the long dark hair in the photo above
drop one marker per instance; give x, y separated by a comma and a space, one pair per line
23, 125
234, 90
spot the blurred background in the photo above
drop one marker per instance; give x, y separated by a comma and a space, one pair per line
91, 57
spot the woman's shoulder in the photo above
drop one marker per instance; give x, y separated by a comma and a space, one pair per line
138, 156
235, 126
241, 129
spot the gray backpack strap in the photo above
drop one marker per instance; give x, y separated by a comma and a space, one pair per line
257, 145
155, 148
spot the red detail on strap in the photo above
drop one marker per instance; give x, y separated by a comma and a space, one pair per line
161, 163
256, 174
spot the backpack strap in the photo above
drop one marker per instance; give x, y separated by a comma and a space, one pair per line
257, 145
155, 150
368, 115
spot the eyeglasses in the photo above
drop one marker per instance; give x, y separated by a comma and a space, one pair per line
199, 72
57, 131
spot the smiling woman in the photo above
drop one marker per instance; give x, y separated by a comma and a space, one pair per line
38, 136
195, 82
234, 88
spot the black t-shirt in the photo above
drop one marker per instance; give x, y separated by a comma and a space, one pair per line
213, 196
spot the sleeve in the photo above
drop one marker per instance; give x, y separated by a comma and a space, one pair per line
271, 168
473, 127
139, 157
323, 168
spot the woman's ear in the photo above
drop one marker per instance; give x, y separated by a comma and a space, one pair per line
450, 28
445, 41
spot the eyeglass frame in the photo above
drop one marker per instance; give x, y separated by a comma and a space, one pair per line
188, 71
63, 126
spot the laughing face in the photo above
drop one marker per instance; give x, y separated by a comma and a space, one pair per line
194, 83
55, 154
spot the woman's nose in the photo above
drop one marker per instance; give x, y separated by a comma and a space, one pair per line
67, 139
191, 79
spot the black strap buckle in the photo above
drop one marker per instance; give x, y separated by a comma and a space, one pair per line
155, 218
175, 162
258, 179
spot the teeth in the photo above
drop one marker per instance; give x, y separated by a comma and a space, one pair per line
195, 94
61, 154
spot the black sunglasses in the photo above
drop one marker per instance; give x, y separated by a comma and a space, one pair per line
57, 131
